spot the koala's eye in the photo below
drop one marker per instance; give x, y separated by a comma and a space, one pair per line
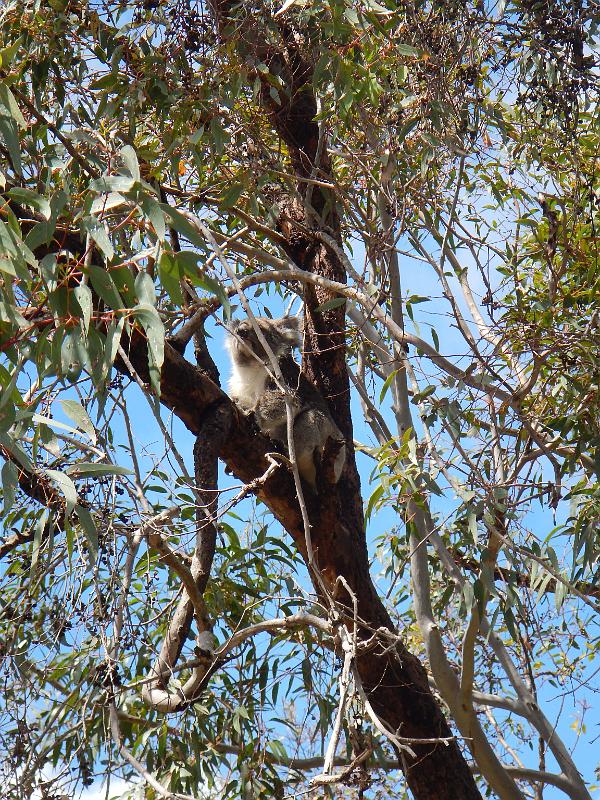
243, 332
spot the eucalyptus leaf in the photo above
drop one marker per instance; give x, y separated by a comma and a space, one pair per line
39, 528
335, 302
93, 468
89, 530
80, 417
99, 233
104, 286
129, 157
144, 288
10, 480
66, 485
83, 296
10, 135
9, 104
32, 199
155, 333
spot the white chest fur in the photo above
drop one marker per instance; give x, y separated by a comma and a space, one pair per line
247, 384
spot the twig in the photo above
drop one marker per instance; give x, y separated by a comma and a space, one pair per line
138, 767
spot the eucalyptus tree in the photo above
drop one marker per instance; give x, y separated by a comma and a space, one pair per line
422, 178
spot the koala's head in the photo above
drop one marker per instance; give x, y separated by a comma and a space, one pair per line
282, 335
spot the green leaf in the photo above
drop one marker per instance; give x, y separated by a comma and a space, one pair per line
406, 129
113, 340
7, 266
89, 531
8, 381
17, 451
232, 195
528, 223
387, 384
8, 53
377, 8
8, 101
277, 748
423, 395
144, 288
154, 213
75, 411
12, 246
83, 295
215, 287
307, 674
184, 227
374, 500
9, 134
472, 526
42, 232
124, 282
335, 302
170, 276
70, 364
10, 480
129, 158
104, 286
468, 595
99, 233
407, 50
32, 199
91, 468
109, 81
66, 485
108, 201
241, 711
560, 593
112, 183
187, 263
37, 541
52, 423
69, 540
155, 333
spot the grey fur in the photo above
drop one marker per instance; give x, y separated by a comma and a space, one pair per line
252, 388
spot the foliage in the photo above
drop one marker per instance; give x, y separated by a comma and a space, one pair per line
459, 140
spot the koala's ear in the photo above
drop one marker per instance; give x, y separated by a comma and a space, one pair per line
234, 324
291, 328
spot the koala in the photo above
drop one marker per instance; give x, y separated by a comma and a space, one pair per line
253, 389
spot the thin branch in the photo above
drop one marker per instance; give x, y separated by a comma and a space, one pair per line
138, 767
83, 162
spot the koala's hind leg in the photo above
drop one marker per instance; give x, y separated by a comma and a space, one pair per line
305, 459
334, 455
312, 429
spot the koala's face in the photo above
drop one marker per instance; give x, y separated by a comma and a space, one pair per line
281, 335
